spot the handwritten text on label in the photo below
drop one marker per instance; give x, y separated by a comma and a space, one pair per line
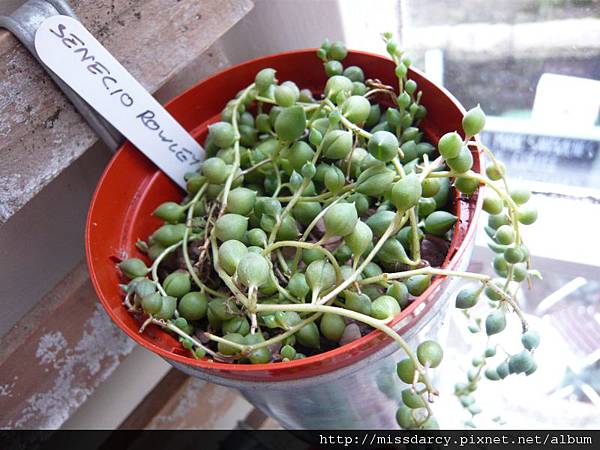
70, 51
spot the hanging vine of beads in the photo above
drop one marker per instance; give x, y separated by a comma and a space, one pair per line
304, 230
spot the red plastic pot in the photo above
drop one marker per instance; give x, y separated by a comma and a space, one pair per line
132, 187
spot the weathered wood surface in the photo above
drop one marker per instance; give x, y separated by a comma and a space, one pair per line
41, 133
181, 402
155, 400
54, 358
201, 405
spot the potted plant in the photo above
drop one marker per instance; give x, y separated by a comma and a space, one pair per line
309, 263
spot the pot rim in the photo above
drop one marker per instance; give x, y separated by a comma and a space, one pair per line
416, 307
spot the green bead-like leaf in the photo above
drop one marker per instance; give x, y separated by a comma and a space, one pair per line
231, 226
333, 68
193, 306
426, 206
256, 237
152, 303
334, 179
383, 145
290, 123
133, 268
380, 221
405, 370
253, 270
167, 308
241, 201
337, 84
305, 212
514, 255
492, 204
505, 235
299, 154
374, 116
284, 96
332, 326
230, 254
238, 325
520, 363
430, 353
170, 212
495, 171
360, 303
376, 182
337, 51
226, 349
443, 195
527, 214
405, 418
385, 307
297, 286
405, 236
354, 73
439, 222
417, 284
520, 195
320, 275
222, 134
495, 323
356, 109
530, 339
337, 144
359, 239
288, 229
466, 185
450, 145
491, 374
264, 79
468, 297
312, 254
392, 252
177, 284
169, 234
399, 291
406, 192
463, 162
308, 336
412, 399
430, 187
340, 219
473, 121
502, 370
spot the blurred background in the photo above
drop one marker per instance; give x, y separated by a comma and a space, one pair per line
533, 65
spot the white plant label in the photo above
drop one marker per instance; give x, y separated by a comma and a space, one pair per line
70, 51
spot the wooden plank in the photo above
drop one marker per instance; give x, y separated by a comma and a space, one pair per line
114, 400
47, 230
155, 400
52, 361
182, 402
41, 133
54, 358
201, 405
270, 424
255, 420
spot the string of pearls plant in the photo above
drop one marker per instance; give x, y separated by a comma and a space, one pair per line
306, 226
